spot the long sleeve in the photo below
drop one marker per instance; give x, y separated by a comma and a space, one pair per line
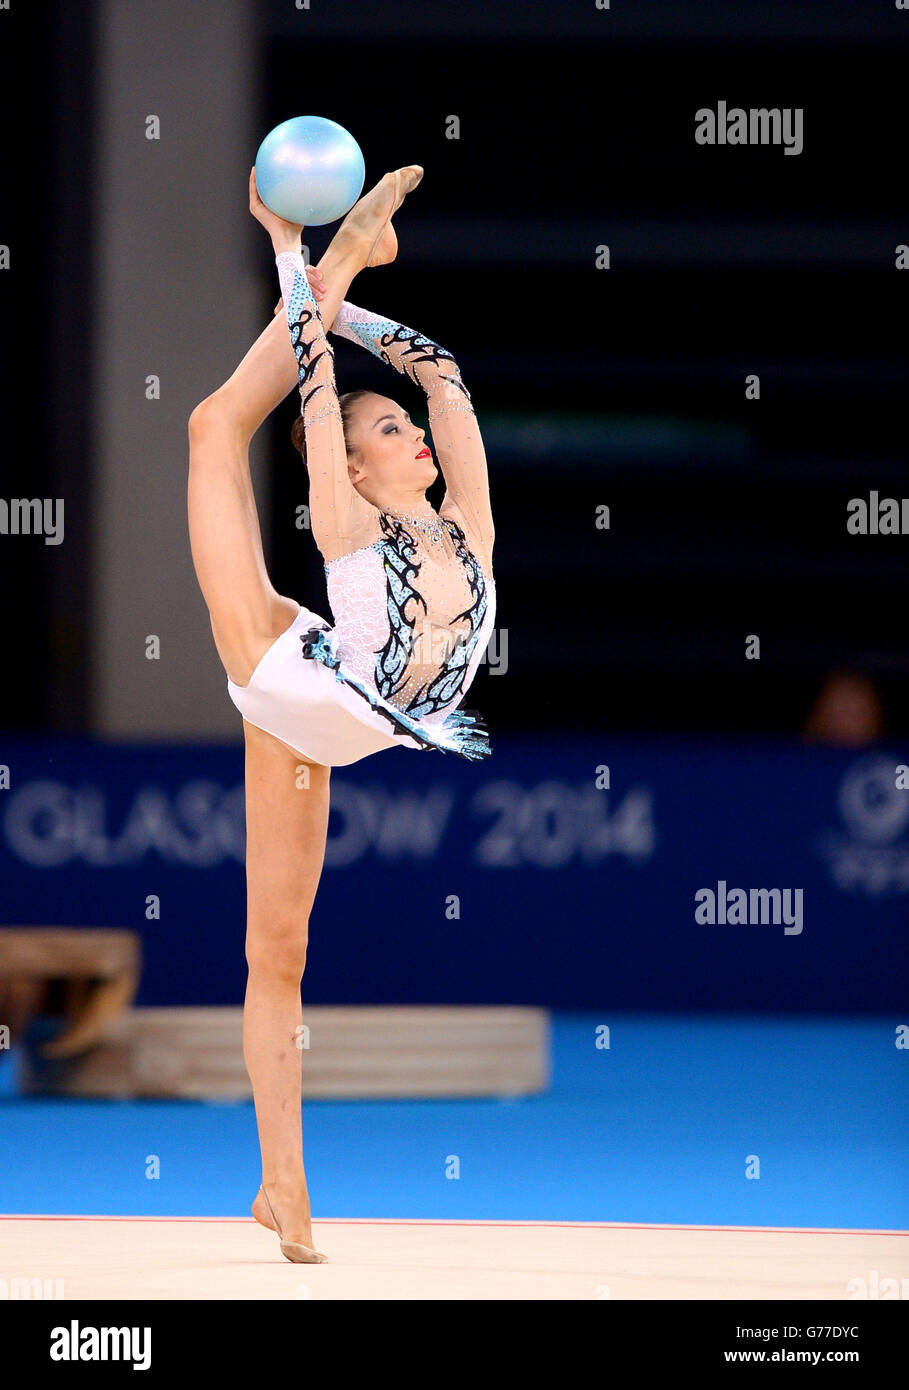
455, 432
340, 517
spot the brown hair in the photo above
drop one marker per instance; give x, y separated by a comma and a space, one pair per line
346, 402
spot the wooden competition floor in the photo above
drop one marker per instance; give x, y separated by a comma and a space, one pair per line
629, 1178
210, 1258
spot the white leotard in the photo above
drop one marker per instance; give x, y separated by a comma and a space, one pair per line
412, 597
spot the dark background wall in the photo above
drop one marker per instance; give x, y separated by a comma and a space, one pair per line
622, 387
627, 387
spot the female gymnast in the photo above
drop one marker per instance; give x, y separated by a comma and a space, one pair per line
411, 592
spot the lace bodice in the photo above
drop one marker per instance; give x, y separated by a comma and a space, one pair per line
412, 615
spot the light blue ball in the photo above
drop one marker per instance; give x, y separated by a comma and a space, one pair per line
310, 170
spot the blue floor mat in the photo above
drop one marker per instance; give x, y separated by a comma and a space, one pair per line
660, 1127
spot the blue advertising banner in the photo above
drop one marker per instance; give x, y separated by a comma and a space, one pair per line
576, 874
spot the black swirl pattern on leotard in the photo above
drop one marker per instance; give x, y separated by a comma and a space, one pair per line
392, 662
400, 568
419, 349
306, 368
446, 686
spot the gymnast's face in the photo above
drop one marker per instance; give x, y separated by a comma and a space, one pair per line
387, 452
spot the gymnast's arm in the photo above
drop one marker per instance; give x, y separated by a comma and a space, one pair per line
341, 520
455, 431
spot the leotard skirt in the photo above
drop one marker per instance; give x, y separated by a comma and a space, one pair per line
301, 694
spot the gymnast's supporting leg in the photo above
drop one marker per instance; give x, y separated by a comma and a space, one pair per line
286, 824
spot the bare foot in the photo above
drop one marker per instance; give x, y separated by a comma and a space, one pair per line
367, 227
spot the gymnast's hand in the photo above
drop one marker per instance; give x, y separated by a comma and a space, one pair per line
285, 236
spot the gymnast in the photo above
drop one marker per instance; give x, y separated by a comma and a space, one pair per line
412, 598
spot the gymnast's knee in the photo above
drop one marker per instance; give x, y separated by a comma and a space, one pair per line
202, 416
278, 950
222, 409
